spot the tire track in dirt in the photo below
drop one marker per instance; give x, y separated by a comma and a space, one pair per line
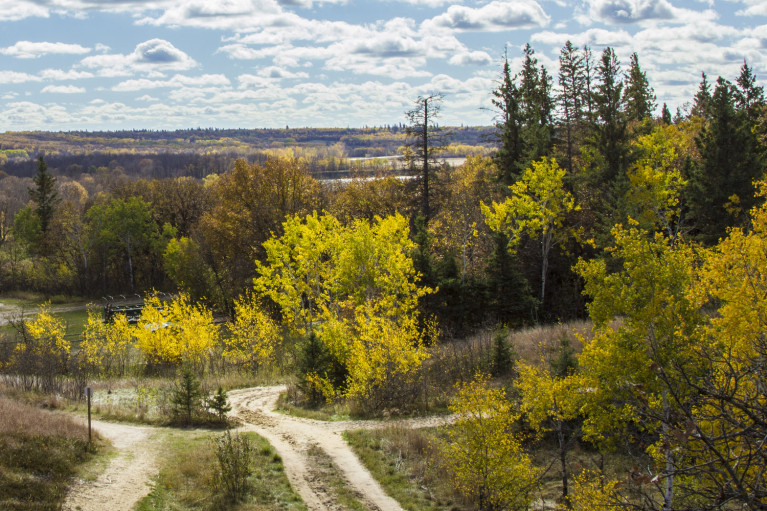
292, 438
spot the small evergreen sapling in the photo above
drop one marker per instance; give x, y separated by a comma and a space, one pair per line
220, 405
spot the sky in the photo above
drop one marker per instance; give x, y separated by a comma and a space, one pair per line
172, 64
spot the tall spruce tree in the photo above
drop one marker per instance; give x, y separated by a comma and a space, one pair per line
749, 98
665, 115
702, 102
536, 107
506, 99
731, 158
638, 96
572, 86
611, 131
45, 197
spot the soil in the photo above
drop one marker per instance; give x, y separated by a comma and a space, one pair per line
128, 477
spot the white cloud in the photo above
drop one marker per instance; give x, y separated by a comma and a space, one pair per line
471, 58
495, 16
59, 74
63, 89
177, 81
276, 72
16, 77
31, 50
153, 57
14, 10
636, 11
754, 8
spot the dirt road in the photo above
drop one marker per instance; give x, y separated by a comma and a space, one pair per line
128, 476
293, 437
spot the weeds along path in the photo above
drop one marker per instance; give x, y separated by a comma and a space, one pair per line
128, 476
294, 437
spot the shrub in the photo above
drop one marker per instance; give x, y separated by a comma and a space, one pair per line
234, 455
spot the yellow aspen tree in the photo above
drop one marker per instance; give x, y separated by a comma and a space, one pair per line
592, 492
537, 207
645, 324
253, 335
549, 402
154, 337
356, 289
725, 432
297, 273
197, 335
484, 454
382, 357
43, 351
656, 181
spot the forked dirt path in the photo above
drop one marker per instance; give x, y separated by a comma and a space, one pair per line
126, 479
292, 437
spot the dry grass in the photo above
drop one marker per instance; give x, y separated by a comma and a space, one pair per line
537, 344
18, 418
40, 451
404, 462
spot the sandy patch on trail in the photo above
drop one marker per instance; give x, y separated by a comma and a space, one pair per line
293, 438
127, 478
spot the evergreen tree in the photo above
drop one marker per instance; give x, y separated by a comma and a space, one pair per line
638, 96
186, 396
731, 158
665, 115
749, 97
44, 195
588, 70
506, 98
537, 109
702, 101
572, 83
611, 126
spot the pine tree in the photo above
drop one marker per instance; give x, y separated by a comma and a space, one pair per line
536, 108
611, 125
45, 197
731, 158
702, 101
665, 115
506, 99
749, 97
638, 96
572, 83
186, 395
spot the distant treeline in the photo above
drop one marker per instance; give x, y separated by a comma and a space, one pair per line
198, 152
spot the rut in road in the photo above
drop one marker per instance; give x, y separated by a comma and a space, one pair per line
293, 438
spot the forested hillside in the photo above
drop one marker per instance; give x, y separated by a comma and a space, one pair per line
593, 203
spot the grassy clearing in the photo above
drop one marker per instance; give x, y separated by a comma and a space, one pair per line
186, 479
41, 451
401, 459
